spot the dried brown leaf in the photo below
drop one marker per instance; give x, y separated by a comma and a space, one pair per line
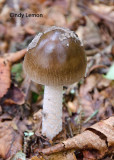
90, 83
5, 66
106, 129
57, 156
10, 140
5, 80
99, 137
61, 156
103, 9
90, 33
56, 14
14, 96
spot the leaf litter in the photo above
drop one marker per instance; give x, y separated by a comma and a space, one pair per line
88, 106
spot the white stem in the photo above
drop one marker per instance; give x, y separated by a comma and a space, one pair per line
52, 111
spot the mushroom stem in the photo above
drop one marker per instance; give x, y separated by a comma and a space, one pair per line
52, 111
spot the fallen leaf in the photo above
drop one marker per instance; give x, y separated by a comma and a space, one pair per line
14, 96
62, 156
99, 137
5, 80
89, 34
108, 93
5, 66
103, 9
90, 83
57, 16
57, 156
10, 140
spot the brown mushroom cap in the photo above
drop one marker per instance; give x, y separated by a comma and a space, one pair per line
55, 57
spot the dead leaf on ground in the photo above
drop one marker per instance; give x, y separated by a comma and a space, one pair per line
103, 9
57, 156
89, 34
61, 156
5, 66
94, 80
14, 96
99, 138
55, 13
10, 140
89, 84
5, 80
108, 93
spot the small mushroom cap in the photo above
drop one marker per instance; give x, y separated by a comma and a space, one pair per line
55, 57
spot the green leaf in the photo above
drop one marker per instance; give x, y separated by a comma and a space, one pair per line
34, 97
110, 73
16, 70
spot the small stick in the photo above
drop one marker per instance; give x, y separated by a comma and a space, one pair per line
16, 6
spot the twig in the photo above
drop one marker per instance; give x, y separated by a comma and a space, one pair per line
91, 116
16, 6
69, 127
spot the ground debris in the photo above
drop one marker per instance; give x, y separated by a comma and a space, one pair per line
5, 67
84, 103
99, 137
10, 140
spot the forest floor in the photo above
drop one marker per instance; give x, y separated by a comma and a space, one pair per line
88, 106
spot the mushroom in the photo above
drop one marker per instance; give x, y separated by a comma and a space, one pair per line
55, 58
